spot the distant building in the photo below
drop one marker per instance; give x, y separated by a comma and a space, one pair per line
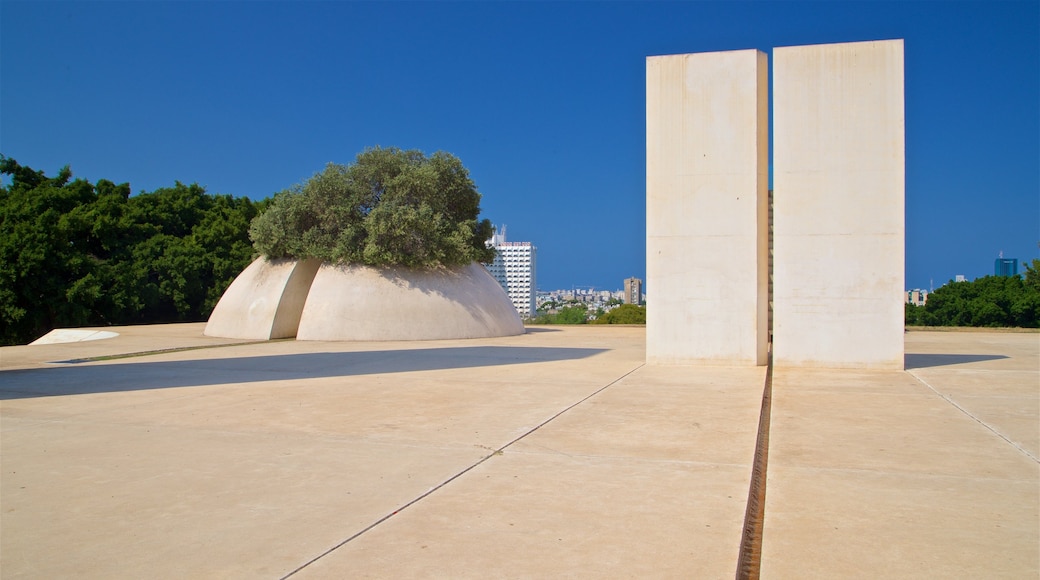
917, 297
633, 291
514, 269
1005, 267
960, 278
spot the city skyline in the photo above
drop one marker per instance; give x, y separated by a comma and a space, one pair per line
544, 103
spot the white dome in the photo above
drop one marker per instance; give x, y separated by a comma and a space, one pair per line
314, 301
367, 303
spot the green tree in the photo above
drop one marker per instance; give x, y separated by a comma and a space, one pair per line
624, 314
913, 314
576, 314
1032, 274
74, 254
390, 207
993, 301
43, 251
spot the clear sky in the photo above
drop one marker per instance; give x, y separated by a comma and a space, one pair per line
544, 102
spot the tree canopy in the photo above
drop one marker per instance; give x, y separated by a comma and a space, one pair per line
74, 253
994, 301
390, 207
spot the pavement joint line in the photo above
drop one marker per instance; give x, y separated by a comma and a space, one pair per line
430, 491
749, 560
976, 419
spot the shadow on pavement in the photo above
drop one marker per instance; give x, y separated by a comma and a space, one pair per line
920, 361
134, 374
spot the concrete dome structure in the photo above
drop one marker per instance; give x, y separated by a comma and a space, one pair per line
265, 301
313, 301
386, 303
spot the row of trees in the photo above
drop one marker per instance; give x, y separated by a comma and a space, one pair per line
993, 301
73, 253
579, 314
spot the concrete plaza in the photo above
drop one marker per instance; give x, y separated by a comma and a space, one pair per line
556, 453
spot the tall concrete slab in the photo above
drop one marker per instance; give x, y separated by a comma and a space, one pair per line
707, 208
838, 141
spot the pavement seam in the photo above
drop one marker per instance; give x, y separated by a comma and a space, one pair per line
430, 491
749, 560
976, 419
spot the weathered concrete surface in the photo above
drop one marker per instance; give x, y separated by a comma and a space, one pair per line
930, 473
707, 207
255, 458
265, 301
366, 303
129, 340
252, 459
838, 218
646, 479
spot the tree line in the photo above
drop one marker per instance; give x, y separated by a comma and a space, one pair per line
990, 301
578, 313
75, 253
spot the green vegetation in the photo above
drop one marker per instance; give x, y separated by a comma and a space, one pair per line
624, 314
993, 301
578, 313
575, 314
390, 207
74, 253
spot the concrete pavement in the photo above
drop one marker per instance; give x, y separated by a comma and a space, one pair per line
554, 453
927, 473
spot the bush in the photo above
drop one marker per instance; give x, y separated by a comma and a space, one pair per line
624, 314
576, 314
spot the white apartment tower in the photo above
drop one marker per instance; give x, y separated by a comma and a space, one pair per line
514, 268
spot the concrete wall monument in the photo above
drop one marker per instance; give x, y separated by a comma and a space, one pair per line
707, 208
838, 206
838, 209
265, 301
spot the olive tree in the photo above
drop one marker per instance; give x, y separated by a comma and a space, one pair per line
389, 208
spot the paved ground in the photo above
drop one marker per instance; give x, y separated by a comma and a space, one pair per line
928, 473
552, 454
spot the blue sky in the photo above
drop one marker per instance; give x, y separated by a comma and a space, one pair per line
542, 101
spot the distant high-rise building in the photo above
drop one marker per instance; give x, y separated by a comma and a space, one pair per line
633, 291
960, 278
1005, 267
514, 269
917, 297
